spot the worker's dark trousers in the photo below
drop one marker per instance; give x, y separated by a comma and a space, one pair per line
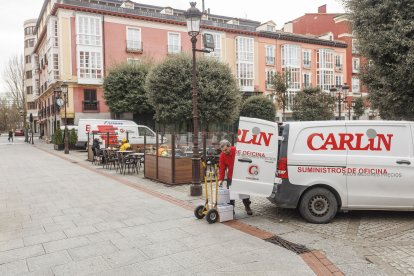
246, 201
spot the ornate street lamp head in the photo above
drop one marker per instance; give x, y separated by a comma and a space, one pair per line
64, 88
193, 16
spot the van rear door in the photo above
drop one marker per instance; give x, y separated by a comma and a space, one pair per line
256, 157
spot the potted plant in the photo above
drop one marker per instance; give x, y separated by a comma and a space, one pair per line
58, 139
73, 139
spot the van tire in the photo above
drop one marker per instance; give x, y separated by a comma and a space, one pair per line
318, 205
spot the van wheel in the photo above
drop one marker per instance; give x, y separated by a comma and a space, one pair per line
318, 205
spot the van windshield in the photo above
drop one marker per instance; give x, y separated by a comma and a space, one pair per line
144, 131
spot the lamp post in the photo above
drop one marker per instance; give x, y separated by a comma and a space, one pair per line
342, 93
351, 105
193, 16
63, 89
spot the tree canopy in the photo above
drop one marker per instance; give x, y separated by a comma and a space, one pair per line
359, 107
170, 91
258, 107
312, 104
385, 31
124, 88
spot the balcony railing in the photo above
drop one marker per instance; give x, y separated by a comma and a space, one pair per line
90, 106
133, 46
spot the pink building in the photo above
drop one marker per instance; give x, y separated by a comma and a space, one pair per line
78, 41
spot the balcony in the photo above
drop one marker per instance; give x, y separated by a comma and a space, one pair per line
338, 67
90, 106
270, 60
133, 46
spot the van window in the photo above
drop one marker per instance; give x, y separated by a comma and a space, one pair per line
380, 140
145, 131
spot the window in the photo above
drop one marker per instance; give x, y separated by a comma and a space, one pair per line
355, 65
355, 46
307, 61
217, 46
29, 30
89, 100
325, 74
52, 33
29, 43
174, 43
338, 80
88, 30
307, 82
55, 66
31, 105
29, 90
89, 95
355, 84
270, 28
244, 49
338, 62
90, 65
28, 74
143, 131
269, 79
245, 62
27, 59
291, 65
291, 55
134, 39
270, 55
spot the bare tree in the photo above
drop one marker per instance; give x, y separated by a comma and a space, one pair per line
13, 76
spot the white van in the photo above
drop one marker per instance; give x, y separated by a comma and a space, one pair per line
327, 166
117, 129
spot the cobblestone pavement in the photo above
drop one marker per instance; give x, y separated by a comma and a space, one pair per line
358, 242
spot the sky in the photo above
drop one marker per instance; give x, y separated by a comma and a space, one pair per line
14, 12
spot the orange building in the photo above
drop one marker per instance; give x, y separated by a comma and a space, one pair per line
78, 41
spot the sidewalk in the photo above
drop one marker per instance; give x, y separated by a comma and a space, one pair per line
62, 218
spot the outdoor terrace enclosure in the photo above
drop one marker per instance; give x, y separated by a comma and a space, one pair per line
325, 166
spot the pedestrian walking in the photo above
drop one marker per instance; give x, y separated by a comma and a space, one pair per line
11, 135
227, 157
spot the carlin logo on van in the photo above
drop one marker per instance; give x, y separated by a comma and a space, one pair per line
254, 170
254, 137
371, 141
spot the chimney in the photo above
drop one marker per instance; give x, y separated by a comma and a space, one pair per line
322, 9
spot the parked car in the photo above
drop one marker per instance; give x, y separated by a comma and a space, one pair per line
19, 132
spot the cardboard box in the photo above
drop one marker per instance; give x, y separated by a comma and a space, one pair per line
223, 196
225, 212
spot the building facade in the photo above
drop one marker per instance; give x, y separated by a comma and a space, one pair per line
334, 26
79, 41
29, 42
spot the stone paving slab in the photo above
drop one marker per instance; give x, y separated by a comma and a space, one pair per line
79, 222
364, 235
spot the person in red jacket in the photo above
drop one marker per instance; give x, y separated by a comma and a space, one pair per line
227, 157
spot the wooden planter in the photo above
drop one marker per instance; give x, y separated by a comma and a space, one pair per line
170, 170
59, 147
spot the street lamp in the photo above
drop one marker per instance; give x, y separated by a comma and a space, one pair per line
342, 94
58, 91
193, 16
351, 105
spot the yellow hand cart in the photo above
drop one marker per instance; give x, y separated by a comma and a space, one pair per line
209, 209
